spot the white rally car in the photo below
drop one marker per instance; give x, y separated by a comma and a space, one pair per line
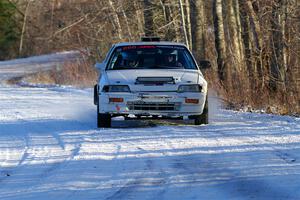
153, 79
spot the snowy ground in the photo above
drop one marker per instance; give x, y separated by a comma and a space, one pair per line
50, 148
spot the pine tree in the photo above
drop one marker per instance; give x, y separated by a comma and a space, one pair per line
8, 28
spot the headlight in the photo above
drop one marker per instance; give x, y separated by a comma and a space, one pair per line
190, 88
116, 88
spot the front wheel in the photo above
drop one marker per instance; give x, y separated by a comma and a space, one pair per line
203, 118
103, 120
96, 97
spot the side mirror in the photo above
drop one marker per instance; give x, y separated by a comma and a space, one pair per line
100, 66
204, 64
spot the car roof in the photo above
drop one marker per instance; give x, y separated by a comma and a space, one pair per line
148, 43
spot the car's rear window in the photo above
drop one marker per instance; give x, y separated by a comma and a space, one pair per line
151, 57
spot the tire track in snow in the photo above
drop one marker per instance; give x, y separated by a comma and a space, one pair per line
44, 172
130, 188
62, 164
11, 171
286, 157
25, 152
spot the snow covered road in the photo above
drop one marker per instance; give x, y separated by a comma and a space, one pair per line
22, 66
50, 148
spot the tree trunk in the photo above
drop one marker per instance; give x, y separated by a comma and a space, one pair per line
139, 17
246, 39
199, 28
236, 48
148, 17
254, 25
239, 26
127, 22
255, 41
278, 59
174, 16
116, 19
183, 23
220, 39
188, 22
24, 28
169, 33
163, 6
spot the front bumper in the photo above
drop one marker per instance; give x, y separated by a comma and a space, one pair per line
171, 104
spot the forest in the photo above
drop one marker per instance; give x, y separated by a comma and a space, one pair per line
253, 45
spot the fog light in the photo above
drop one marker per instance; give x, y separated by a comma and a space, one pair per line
192, 101
116, 100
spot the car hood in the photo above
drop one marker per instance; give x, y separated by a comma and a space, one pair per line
129, 77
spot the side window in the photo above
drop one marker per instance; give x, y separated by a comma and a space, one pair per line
189, 63
113, 61
106, 58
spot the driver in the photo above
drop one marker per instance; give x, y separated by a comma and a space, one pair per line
170, 60
132, 63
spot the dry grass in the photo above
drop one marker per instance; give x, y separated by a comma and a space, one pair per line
238, 95
80, 73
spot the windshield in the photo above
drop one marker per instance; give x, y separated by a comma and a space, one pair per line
151, 57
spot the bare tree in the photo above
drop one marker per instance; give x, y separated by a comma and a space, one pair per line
126, 21
220, 39
188, 22
252, 39
278, 60
199, 28
116, 19
183, 18
139, 17
24, 26
173, 10
235, 36
148, 17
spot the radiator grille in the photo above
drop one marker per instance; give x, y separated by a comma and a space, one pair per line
153, 106
155, 80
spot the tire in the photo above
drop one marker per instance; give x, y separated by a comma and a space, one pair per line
103, 120
96, 97
203, 118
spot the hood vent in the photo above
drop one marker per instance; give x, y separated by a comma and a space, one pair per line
155, 80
